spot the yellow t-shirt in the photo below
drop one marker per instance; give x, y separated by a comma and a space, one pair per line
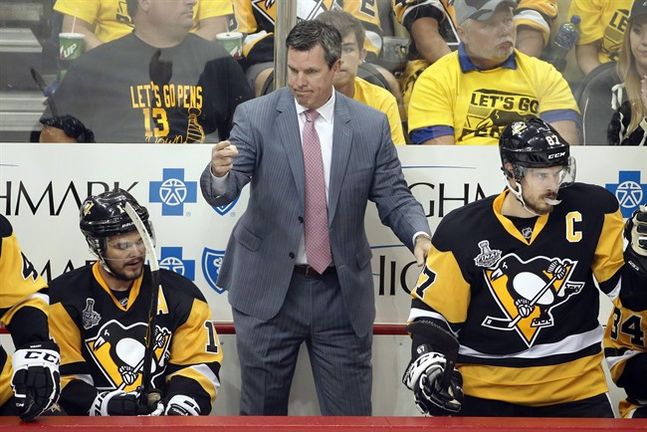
111, 20
382, 100
537, 14
602, 20
475, 106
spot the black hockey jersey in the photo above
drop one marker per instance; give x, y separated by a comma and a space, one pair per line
483, 272
23, 302
625, 349
255, 18
102, 339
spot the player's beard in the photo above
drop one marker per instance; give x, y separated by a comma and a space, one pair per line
540, 206
132, 272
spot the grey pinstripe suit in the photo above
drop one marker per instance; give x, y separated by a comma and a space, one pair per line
258, 265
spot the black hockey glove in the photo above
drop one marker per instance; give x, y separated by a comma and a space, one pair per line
120, 403
181, 405
72, 127
36, 380
636, 234
424, 377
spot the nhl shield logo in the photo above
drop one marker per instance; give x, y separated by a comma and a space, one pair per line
211, 262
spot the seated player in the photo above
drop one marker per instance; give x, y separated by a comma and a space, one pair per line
31, 385
99, 317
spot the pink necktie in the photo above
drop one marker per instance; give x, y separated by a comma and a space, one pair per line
317, 239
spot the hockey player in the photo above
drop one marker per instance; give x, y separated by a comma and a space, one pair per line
508, 291
34, 374
99, 318
625, 346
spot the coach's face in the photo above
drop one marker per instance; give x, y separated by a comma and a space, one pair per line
309, 77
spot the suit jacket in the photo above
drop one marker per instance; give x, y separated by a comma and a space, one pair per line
260, 256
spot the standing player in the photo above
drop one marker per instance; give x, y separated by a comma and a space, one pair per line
23, 310
516, 289
99, 315
625, 346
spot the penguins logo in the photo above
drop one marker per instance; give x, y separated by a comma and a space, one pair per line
527, 292
118, 352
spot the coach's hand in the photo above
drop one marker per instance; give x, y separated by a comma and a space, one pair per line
421, 249
222, 158
36, 379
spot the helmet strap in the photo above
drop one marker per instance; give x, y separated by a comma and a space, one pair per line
517, 191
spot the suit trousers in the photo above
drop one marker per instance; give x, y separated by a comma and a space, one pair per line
313, 312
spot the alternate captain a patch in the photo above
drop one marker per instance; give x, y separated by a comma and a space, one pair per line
527, 292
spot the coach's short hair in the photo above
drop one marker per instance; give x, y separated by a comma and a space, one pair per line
306, 34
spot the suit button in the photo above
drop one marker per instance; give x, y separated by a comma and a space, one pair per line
300, 218
291, 255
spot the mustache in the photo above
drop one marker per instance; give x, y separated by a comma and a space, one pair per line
140, 258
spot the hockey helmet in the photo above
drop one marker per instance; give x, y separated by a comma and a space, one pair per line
533, 143
104, 215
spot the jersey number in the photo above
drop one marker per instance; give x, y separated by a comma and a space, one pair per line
631, 326
155, 122
212, 339
431, 277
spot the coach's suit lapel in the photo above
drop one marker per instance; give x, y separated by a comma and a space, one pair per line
341, 142
288, 128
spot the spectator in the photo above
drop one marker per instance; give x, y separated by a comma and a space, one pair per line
256, 21
628, 125
159, 84
510, 291
30, 381
347, 81
297, 266
431, 25
102, 21
624, 337
99, 317
602, 27
533, 20
469, 96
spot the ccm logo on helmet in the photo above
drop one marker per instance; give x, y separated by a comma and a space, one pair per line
556, 155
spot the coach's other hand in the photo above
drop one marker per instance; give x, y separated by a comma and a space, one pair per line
222, 158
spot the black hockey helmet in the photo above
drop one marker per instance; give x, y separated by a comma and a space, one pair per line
532, 143
104, 215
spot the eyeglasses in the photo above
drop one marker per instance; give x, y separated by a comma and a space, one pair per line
126, 245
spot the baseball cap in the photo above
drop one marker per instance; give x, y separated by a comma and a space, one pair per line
639, 8
480, 10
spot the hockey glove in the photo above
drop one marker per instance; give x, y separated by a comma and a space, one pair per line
424, 377
636, 234
36, 379
181, 405
72, 127
118, 403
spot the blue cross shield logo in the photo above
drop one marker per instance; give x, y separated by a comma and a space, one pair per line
211, 262
629, 191
173, 192
171, 259
223, 210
